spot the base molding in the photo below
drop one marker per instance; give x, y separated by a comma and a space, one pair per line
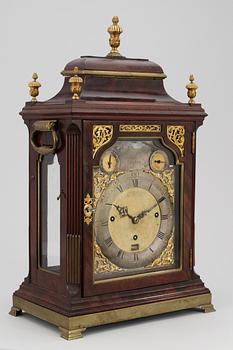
73, 327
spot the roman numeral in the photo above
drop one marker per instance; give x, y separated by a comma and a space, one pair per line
108, 241
161, 234
119, 188
161, 199
135, 256
120, 254
135, 182
164, 217
104, 223
150, 186
134, 247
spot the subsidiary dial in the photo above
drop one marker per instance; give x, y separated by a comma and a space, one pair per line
109, 162
158, 161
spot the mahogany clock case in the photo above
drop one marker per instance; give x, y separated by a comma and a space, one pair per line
115, 92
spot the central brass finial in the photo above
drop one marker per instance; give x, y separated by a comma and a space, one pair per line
114, 41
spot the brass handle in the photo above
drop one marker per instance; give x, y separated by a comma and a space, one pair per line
44, 126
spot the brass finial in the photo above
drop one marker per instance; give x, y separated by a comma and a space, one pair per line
76, 84
34, 87
114, 41
192, 90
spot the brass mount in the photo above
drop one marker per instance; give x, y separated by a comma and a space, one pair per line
114, 41
192, 90
34, 86
76, 84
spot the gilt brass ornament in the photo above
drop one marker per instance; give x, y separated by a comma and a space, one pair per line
114, 41
102, 134
34, 86
75, 84
87, 209
176, 134
192, 90
139, 128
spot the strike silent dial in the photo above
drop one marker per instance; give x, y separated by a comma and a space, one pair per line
158, 161
109, 162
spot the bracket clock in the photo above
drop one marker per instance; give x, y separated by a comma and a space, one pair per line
112, 191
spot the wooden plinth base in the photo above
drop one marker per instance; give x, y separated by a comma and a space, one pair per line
73, 327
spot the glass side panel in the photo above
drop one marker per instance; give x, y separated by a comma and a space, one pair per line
49, 230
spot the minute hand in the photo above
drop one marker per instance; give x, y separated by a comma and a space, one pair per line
146, 212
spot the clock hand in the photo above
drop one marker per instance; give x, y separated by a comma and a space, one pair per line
110, 162
123, 211
146, 212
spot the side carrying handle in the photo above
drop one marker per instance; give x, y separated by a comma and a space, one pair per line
44, 126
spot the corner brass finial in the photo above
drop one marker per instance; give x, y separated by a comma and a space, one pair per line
76, 84
34, 86
192, 90
114, 41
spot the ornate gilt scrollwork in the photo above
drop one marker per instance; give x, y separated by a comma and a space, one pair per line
176, 134
102, 134
88, 209
139, 128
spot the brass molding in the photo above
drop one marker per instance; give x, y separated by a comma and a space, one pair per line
139, 128
34, 86
44, 126
176, 134
101, 135
192, 90
72, 327
75, 84
112, 73
114, 41
88, 209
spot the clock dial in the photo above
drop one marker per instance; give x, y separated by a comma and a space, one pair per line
109, 162
158, 161
133, 219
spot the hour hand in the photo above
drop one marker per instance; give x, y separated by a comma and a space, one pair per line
123, 211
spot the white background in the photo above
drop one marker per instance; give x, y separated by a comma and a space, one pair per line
184, 37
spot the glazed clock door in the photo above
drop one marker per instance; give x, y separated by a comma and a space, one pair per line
132, 208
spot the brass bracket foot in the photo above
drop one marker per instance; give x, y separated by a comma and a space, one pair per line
15, 311
71, 334
206, 308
